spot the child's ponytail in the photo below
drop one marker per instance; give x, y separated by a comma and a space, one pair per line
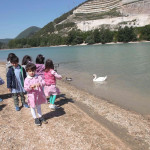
49, 65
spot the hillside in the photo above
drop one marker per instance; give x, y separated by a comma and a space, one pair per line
94, 14
28, 32
5, 41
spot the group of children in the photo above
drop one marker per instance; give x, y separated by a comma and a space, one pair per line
37, 80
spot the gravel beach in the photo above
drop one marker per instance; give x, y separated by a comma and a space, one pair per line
81, 122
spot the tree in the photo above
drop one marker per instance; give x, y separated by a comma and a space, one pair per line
96, 35
106, 35
126, 34
90, 40
1, 45
145, 33
12, 44
74, 37
78, 40
71, 37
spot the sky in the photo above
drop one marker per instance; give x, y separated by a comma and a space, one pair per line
18, 15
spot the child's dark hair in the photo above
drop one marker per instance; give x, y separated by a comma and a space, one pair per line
30, 66
14, 59
10, 55
40, 59
49, 65
26, 59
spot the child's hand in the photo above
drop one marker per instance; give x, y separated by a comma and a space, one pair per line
32, 86
9, 90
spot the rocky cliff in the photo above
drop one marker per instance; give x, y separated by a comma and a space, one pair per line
136, 7
93, 14
111, 13
124, 6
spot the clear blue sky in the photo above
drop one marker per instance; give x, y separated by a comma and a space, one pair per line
18, 15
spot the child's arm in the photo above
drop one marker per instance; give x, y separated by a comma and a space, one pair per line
28, 87
24, 73
41, 81
9, 80
58, 76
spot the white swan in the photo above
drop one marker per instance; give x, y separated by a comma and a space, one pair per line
99, 79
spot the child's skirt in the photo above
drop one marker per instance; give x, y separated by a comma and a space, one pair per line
51, 90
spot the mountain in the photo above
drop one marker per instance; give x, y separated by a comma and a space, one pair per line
5, 41
112, 14
93, 14
28, 32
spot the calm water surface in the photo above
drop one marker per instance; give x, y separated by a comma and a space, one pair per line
126, 65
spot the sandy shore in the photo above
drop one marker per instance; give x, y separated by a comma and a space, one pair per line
82, 122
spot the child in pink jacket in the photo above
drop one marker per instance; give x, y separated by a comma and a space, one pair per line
40, 67
34, 86
50, 77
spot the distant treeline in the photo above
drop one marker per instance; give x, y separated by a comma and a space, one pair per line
126, 34
3, 45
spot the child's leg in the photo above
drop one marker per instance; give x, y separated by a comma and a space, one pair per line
54, 98
41, 119
22, 98
37, 121
16, 100
38, 107
52, 106
50, 99
33, 113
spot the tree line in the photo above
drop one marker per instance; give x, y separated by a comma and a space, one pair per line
3, 45
75, 37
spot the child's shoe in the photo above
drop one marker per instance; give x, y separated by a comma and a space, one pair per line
52, 106
26, 105
42, 120
1, 100
17, 108
37, 122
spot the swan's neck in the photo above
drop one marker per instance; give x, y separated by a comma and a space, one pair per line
95, 77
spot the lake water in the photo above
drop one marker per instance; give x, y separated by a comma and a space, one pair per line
126, 65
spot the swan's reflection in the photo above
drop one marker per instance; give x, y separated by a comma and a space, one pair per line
100, 83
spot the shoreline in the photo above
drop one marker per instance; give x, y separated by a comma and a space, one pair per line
85, 44
65, 83
124, 123
117, 101
131, 128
